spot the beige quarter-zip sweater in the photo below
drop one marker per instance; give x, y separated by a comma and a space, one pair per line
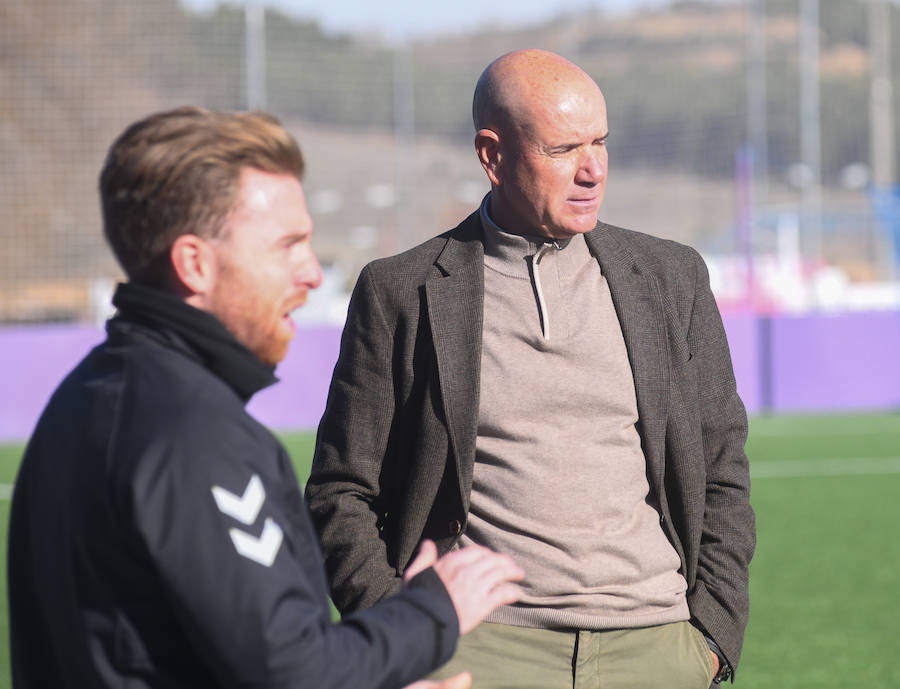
560, 478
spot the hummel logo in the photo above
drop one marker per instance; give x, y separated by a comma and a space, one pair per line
263, 549
245, 509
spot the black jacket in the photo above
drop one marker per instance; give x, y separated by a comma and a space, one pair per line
158, 537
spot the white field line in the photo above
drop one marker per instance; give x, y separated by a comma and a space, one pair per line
798, 468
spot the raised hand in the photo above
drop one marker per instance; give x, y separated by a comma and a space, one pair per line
477, 579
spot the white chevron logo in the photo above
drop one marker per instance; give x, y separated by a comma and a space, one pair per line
263, 549
244, 508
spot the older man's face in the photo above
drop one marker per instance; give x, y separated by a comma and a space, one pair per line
554, 165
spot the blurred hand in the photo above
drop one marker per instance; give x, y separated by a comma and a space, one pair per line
424, 559
477, 579
461, 681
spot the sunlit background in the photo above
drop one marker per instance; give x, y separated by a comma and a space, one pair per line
762, 132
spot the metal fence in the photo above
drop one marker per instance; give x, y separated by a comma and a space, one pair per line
695, 92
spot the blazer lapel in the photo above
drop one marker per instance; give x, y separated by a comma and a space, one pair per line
455, 302
638, 304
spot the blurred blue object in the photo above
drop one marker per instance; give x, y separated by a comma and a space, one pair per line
886, 207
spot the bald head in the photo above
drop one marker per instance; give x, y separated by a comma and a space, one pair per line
540, 136
514, 85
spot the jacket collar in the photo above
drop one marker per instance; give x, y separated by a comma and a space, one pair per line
638, 302
200, 334
464, 247
455, 299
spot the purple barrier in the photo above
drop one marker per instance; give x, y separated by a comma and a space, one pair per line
298, 401
34, 359
837, 362
743, 333
783, 363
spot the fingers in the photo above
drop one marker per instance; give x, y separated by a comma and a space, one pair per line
479, 561
504, 594
461, 681
426, 557
478, 581
715, 663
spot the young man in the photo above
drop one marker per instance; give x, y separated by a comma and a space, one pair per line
157, 536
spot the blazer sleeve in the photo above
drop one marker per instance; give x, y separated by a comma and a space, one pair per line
344, 490
720, 599
245, 580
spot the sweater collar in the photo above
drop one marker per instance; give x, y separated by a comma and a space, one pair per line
207, 339
510, 254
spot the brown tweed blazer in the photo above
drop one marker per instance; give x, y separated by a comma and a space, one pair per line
396, 445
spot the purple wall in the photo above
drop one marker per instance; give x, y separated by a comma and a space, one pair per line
831, 363
33, 360
782, 363
744, 341
298, 401
816, 363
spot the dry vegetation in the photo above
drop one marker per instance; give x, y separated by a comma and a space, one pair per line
74, 72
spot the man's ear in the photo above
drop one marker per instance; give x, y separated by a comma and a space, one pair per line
193, 264
487, 146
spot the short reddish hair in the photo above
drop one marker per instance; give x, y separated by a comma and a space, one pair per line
178, 172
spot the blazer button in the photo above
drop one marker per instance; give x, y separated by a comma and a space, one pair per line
455, 527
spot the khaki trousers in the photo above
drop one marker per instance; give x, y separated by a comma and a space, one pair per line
670, 656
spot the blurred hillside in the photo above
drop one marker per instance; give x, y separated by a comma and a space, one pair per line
387, 131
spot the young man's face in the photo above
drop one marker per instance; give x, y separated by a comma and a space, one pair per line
265, 265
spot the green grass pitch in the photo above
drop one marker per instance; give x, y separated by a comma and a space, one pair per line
826, 576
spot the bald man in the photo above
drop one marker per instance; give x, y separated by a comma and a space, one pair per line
555, 388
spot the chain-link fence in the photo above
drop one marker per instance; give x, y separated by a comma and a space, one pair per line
387, 133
